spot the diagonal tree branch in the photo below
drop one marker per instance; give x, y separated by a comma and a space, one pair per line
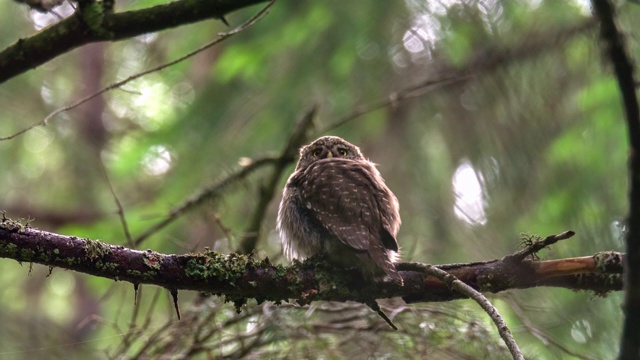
209, 193
240, 277
94, 22
486, 60
467, 290
267, 191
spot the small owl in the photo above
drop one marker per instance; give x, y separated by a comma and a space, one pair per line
336, 203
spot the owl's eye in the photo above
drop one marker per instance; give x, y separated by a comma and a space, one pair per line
342, 152
315, 153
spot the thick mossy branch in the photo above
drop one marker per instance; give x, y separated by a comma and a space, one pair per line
243, 276
96, 23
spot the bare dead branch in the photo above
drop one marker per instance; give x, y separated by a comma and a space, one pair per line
536, 246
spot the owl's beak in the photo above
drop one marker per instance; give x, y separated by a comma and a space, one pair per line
329, 155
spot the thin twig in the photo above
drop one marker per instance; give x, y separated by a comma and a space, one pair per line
376, 307
221, 37
152, 339
123, 219
487, 60
540, 334
130, 337
207, 194
467, 290
126, 341
394, 98
176, 306
225, 230
541, 244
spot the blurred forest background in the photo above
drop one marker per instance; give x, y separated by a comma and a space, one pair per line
527, 136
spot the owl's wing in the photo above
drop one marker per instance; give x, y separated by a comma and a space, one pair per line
349, 198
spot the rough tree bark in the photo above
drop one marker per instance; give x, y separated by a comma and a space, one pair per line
95, 21
243, 276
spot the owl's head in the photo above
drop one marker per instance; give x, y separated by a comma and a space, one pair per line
328, 147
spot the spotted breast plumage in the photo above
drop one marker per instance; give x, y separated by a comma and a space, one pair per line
337, 203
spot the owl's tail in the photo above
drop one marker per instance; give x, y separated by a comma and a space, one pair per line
385, 259
393, 273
